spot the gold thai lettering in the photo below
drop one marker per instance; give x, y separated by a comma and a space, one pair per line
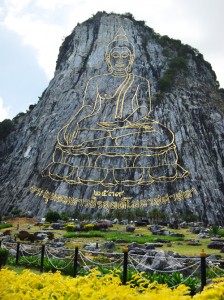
143, 203
179, 195
100, 204
46, 196
96, 193
107, 193
165, 199
114, 205
123, 203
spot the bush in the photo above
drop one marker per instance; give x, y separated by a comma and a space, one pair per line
19, 115
165, 83
70, 227
5, 128
93, 286
46, 225
50, 235
23, 235
7, 232
31, 107
89, 227
17, 212
101, 225
178, 63
52, 216
4, 253
214, 229
64, 216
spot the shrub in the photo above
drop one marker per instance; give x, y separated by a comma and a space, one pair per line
16, 212
92, 286
178, 63
31, 238
19, 115
70, 227
165, 83
64, 216
23, 235
4, 253
189, 218
52, 216
50, 235
31, 107
214, 229
101, 225
46, 225
89, 227
7, 232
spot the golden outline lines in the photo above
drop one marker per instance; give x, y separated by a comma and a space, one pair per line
112, 140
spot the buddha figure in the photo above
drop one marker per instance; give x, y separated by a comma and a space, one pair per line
112, 139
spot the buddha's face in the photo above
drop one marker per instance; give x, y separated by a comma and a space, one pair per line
120, 58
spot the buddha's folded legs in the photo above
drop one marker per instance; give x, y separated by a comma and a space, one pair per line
111, 169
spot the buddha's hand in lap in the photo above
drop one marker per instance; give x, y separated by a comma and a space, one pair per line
113, 125
107, 124
76, 147
119, 124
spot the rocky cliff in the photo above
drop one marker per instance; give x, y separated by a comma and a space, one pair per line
97, 140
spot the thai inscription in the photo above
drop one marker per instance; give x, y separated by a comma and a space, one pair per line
121, 202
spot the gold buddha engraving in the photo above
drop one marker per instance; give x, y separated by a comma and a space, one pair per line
112, 139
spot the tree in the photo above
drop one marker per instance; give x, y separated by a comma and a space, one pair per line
190, 217
52, 216
118, 214
140, 213
130, 215
16, 212
5, 128
99, 215
156, 215
75, 214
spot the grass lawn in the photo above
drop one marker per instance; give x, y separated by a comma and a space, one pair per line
118, 232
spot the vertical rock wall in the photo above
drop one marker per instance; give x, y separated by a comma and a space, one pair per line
185, 98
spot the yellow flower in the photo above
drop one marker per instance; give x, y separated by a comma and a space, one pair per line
49, 286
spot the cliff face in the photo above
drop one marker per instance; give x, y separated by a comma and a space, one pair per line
92, 142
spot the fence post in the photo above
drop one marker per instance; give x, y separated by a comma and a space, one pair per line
17, 253
76, 261
125, 265
42, 257
203, 269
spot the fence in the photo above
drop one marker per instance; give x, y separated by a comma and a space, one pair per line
125, 260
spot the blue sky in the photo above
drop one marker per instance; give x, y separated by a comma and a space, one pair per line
31, 32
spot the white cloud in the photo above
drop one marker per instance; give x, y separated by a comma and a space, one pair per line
4, 111
42, 24
36, 31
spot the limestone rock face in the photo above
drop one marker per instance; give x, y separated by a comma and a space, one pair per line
97, 140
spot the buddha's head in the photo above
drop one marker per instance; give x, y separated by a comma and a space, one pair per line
120, 54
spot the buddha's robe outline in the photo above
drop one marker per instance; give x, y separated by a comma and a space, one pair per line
116, 142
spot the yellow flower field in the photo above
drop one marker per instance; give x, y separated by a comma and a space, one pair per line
55, 286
